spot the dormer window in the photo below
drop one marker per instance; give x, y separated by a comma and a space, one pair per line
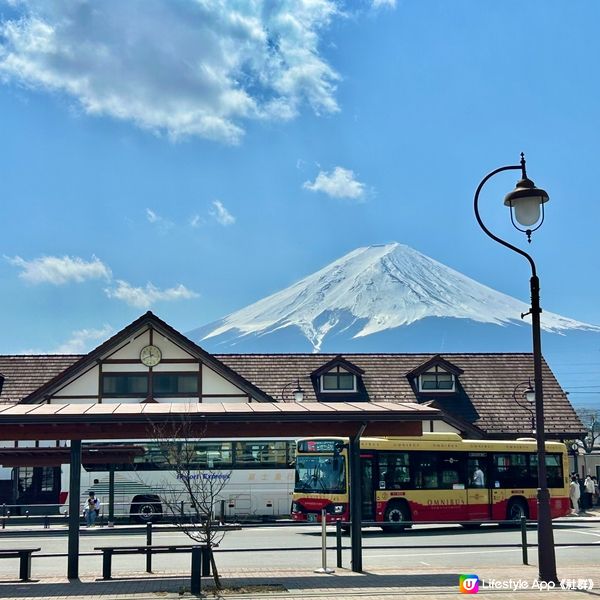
436, 379
338, 380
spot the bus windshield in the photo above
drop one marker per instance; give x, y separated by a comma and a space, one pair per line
325, 474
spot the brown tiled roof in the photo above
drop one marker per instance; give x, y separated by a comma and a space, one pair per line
25, 373
485, 398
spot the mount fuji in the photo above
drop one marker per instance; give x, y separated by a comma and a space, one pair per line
386, 298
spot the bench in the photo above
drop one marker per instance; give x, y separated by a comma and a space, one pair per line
24, 556
200, 559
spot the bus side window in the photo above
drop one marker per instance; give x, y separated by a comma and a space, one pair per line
477, 475
394, 471
426, 470
452, 470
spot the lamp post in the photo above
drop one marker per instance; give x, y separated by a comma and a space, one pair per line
575, 448
298, 393
526, 204
528, 394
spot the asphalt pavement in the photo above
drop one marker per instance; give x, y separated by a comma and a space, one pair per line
389, 571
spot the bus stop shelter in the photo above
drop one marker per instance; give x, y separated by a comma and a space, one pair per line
82, 422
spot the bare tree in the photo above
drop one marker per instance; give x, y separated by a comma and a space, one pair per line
590, 417
194, 487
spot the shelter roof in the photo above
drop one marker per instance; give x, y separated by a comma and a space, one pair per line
129, 421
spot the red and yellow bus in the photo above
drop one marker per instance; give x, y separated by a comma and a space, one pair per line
436, 477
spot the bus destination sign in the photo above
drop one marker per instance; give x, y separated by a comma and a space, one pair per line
319, 446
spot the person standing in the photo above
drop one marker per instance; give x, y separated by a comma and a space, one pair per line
574, 493
589, 491
478, 477
581, 492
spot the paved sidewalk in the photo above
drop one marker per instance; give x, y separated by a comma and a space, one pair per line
274, 584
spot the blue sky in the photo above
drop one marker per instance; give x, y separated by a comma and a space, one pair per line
192, 159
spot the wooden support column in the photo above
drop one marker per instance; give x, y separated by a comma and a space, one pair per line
74, 510
356, 500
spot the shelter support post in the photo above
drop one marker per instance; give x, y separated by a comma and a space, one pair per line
74, 495
111, 495
356, 500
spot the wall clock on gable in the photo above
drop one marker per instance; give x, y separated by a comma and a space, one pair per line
150, 355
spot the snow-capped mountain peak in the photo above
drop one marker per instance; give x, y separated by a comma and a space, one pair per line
375, 288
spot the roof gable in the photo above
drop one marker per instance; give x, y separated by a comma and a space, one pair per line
436, 360
338, 361
147, 321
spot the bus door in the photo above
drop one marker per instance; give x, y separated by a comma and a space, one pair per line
367, 489
478, 491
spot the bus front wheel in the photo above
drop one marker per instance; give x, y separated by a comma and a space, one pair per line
146, 509
517, 508
397, 517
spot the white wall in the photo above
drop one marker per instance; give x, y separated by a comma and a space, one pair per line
213, 383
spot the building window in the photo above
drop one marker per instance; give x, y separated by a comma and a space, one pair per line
436, 380
125, 384
175, 384
338, 380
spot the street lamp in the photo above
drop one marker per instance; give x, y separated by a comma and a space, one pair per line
528, 394
526, 203
298, 393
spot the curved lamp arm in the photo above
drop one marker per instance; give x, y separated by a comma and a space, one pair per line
524, 406
520, 167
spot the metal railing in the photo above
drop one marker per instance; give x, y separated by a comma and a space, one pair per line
48, 514
202, 553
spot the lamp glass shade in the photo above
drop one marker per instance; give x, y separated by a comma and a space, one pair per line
527, 210
299, 395
530, 395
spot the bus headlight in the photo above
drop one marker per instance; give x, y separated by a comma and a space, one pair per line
294, 507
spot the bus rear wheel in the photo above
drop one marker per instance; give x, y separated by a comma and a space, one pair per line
146, 509
397, 517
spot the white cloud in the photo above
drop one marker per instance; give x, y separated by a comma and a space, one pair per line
151, 216
221, 214
145, 297
84, 340
385, 3
195, 68
163, 224
339, 183
59, 270
196, 221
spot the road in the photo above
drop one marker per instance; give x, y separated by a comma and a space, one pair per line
379, 550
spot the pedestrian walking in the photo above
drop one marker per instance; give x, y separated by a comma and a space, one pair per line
574, 494
589, 492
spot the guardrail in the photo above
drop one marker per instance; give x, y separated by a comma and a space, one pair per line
48, 514
339, 546
522, 525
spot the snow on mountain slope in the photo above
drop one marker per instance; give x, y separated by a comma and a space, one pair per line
378, 288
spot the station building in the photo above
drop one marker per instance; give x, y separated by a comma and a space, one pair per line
149, 362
